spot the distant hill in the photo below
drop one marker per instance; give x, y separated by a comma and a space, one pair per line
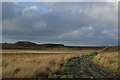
25, 44
29, 45
34, 46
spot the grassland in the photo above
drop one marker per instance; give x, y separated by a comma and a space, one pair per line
63, 63
83, 67
108, 59
8, 51
34, 66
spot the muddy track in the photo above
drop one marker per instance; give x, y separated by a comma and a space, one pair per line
82, 67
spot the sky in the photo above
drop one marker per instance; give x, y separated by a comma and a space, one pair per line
69, 23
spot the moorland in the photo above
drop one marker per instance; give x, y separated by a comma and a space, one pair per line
25, 59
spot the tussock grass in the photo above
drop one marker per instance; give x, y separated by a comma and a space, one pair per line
32, 66
109, 61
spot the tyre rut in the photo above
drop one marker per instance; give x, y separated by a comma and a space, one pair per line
82, 67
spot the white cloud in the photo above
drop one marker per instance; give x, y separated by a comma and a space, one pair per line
104, 13
88, 28
30, 9
34, 8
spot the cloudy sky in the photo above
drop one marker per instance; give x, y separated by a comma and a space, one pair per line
69, 23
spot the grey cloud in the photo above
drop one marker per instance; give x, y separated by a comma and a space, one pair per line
68, 23
10, 10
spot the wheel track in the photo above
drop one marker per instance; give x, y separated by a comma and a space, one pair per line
80, 67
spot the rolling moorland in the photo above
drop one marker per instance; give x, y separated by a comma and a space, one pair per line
30, 60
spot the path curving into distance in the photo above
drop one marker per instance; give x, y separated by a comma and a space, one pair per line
82, 67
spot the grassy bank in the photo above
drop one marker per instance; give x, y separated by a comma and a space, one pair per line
108, 59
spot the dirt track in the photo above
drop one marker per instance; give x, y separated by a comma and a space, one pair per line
82, 67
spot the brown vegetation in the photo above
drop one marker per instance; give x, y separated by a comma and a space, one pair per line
45, 51
31, 66
109, 60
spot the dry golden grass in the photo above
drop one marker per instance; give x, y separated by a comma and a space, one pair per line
108, 60
0, 66
45, 51
31, 66
0, 63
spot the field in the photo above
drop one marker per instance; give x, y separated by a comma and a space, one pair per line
57, 63
46, 51
109, 60
32, 66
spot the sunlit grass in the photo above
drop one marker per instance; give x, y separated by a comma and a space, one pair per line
31, 66
109, 61
45, 51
